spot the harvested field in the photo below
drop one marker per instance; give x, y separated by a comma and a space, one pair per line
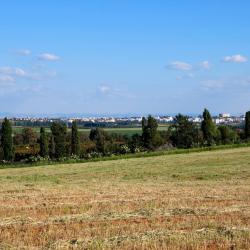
185, 201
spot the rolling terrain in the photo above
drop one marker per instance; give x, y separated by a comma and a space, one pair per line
185, 201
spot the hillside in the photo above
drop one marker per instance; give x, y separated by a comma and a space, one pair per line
196, 200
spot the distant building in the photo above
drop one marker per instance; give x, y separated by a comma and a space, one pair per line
224, 115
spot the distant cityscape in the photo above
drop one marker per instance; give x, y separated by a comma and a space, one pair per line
224, 118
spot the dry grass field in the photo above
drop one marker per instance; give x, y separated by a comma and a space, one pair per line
185, 201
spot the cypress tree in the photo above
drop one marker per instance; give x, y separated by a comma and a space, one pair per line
59, 132
44, 147
149, 132
247, 125
208, 128
52, 147
98, 136
6, 140
75, 145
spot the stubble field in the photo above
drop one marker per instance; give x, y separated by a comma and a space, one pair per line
185, 201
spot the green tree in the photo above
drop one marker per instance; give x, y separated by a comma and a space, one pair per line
208, 128
98, 136
227, 135
59, 132
150, 136
18, 139
247, 125
43, 141
75, 144
183, 133
52, 147
29, 136
135, 143
7, 140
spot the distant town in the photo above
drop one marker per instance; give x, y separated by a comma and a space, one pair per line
134, 121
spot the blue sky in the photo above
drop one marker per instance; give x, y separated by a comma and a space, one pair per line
128, 56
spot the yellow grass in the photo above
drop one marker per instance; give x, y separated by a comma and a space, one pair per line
189, 201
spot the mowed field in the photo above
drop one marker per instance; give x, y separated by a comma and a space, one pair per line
184, 201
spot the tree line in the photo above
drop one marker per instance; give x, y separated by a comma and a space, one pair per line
59, 144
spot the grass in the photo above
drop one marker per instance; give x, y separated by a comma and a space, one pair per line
126, 156
123, 131
199, 200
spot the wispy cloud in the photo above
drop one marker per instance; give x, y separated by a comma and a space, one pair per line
237, 83
6, 81
181, 66
205, 65
23, 52
34, 75
212, 84
48, 57
235, 59
105, 90
13, 71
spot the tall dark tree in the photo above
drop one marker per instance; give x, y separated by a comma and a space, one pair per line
43, 141
98, 136
208, 128
150, 135
52, 147
59, 132
247, 125
184, 133
6, 140
75, 144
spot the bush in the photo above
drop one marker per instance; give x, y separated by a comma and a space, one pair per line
124, 149
38, 158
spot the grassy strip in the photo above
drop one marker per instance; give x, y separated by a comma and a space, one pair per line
126, 156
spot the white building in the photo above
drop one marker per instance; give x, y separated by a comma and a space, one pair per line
225, 115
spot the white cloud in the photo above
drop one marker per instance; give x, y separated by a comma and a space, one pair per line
24, 52
234, 84
182, 66
104, 89
13, 71
205, 65
48, 57
235, 59
212, 84
5, 79
107, 91
18, 73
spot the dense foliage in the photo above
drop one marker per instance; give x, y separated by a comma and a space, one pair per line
208, 128
247, 126
43, 141
75, 145
59, 144
6, 140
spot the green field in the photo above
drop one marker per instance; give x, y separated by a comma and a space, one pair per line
124, 131
185, 201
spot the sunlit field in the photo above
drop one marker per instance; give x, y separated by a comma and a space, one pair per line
123, 131
185, 201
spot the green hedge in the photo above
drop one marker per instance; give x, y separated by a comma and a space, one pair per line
126, 156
